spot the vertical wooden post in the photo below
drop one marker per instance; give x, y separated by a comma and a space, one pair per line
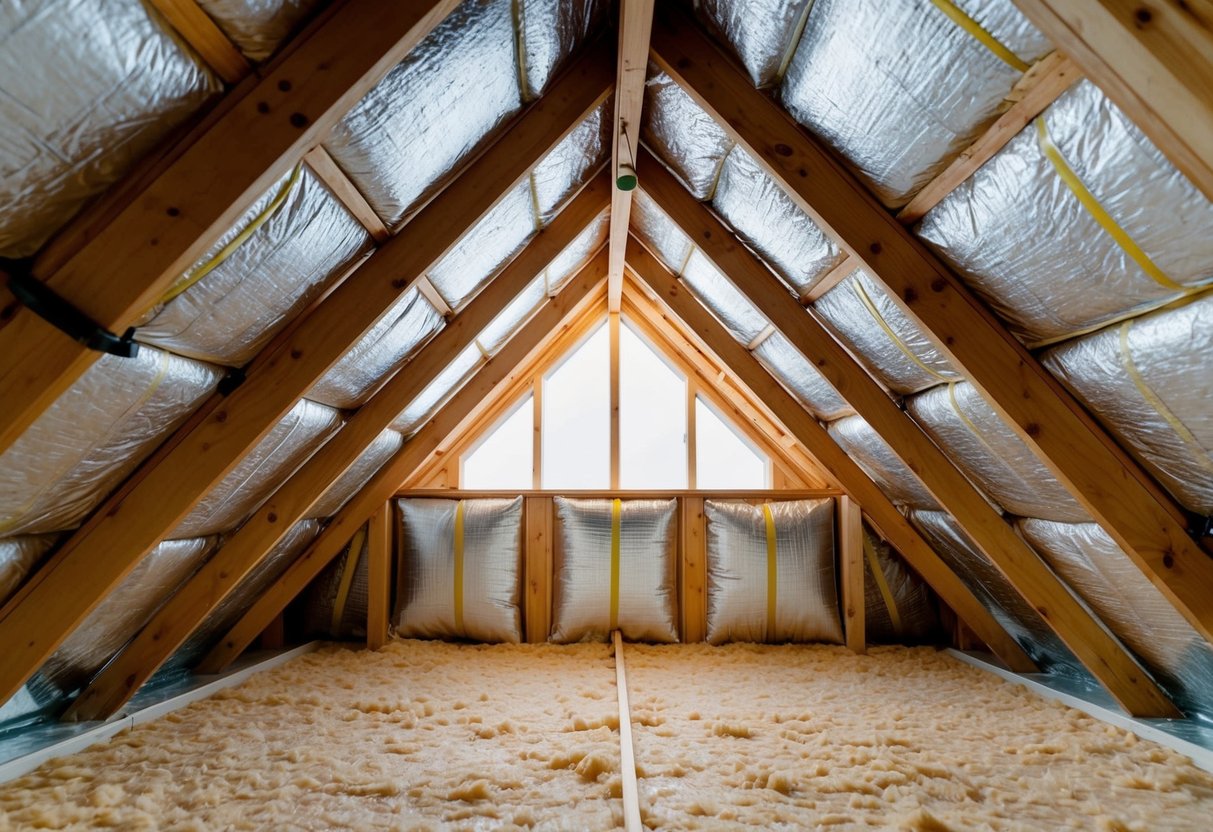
537, 567
537, 437
850, 558
692, 459
613, 323
694, 570
379, 576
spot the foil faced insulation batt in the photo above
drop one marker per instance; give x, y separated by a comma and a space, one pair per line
1148, 382
989, 453
460, 570
437, 391
577, 253
899, 89
351, 381
18, 557
270, 463
95, 434
1017, 234
335, 604
259, 27
1132, 607
89, 87
301, 239
883, 338
760, 32
877, 459
509, 319
802, 379
795, 598
550, 31
118, 618
995, 592
643, 581
899, 607
382, 449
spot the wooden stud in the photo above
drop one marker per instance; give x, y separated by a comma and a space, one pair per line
692, 434
832, 278
631, 62
430, 293
1153, 60
627, 755
537, 569
207, 39
850, 564
346, 192
123, 268
537, 432
613, 324
694, 569
1143, 520
379, 552
756, 341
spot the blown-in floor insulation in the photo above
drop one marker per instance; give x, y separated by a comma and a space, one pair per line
434, 735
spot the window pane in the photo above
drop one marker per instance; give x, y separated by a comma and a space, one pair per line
652, 418
577, 418
503, 459
723, 459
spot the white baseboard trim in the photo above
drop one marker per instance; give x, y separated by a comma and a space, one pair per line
1201, 757
104, 730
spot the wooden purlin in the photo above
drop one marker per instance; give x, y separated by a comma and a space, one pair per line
124, 266
384, 484
174, 622
207, 39
1143, 520
95, 560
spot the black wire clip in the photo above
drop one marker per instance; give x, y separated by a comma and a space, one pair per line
44, 302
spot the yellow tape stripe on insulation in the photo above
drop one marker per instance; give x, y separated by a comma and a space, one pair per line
981, 35
772, 571
882, 584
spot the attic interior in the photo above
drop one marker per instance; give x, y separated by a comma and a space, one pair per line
590, 414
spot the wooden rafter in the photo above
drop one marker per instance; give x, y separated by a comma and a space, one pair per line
1154, 60
1118, 494
176, 620
543, 325
838, 465
94, 560
1073, 622
632, 61
123, 268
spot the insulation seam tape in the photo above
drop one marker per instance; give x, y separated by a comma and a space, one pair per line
980, 34
772, 570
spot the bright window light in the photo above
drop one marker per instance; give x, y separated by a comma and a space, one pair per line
723, 459
503, 459
577, 418
652, 417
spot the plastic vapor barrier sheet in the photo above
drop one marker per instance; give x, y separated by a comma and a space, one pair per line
376, 455
771, 572
616, 568
877, 459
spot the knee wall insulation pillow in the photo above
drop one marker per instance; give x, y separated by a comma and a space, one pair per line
460, 569
616, 568
771, 572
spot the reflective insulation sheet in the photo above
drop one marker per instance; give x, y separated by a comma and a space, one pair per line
1016, 232
229, 611
248, 287
577, 253
871, 453
1150, 383
771, 572
898, 89
717, 293
87, 89
269, 464
658, 232
460, 569
989, 453
890, 345
410, 321
802, 379
629, 556
437, 391
513, 316
996, 594
1131, 606
18, 557
375, 456
759, 32
572, 162
120, 616
682, 135
259, 27
899, 607
335, 603
446, 100
95, 434
550, 31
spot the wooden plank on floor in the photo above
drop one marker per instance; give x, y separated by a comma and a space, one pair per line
627, 753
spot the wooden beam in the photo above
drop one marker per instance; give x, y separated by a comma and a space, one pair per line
379, 552
537, 432
632, 62
694, 552
842, 469
123, 268
1075, 624
613, 326
537, 569
207, 39
692, 434
104, 552
832, 278
179, 617
346, 192
629, 789
1154, 60
850, 565
1119, 495
1041, 85
407, 460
